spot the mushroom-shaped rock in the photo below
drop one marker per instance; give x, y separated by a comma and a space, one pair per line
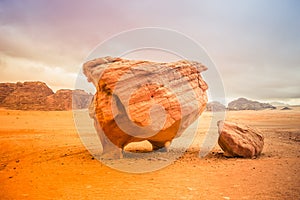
238, 140
143, 100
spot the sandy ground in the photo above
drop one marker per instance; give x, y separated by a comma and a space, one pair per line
42, 157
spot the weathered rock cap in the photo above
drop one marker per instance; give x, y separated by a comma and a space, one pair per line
139, 100
238, 140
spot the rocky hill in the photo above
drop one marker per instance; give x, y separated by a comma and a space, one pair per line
6, 89
245, 104
215, 106
38, 96
63, 100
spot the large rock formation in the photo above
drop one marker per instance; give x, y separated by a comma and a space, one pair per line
81, 99
27, 96
38, 96
142, 100
245, 104
6, 89
215, 106
64, 98
239, 140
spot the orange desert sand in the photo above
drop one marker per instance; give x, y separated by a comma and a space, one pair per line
42, 157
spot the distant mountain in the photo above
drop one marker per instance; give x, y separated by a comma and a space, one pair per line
38, 96
245, 104
286, 108
215, 106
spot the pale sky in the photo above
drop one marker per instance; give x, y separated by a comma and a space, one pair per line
255, 44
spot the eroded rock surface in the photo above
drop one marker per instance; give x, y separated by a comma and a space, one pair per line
238, 140
6, 89
142, 100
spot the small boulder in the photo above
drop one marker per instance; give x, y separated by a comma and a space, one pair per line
239, 140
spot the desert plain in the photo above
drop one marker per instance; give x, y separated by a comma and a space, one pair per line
42, 157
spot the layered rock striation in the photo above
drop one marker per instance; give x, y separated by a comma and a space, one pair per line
143, 100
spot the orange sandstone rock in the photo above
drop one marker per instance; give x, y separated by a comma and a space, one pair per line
143, 100
239, 140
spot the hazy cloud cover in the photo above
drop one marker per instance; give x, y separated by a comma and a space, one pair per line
255, 44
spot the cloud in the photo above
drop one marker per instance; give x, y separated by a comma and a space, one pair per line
255, 46
14, 69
